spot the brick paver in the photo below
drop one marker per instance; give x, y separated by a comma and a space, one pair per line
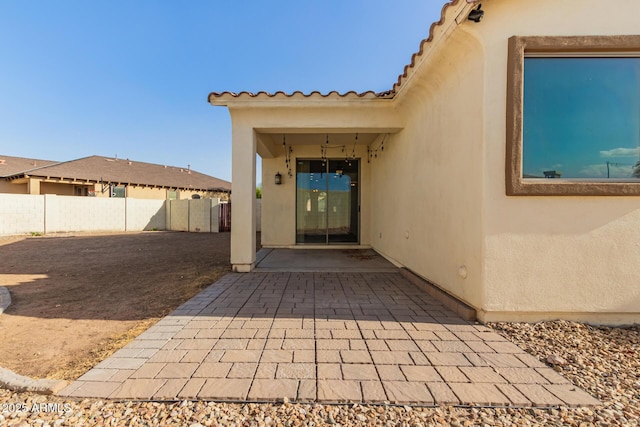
339, 391
262, 389
324, 337
359, 372
407, 392
138, 388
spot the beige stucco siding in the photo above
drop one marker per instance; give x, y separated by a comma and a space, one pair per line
12, 188
146, 192
548, 257
429, 217
55, 188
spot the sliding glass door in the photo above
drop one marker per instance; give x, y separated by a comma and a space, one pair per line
327, 201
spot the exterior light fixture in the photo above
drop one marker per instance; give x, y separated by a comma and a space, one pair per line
278, 178
476, 14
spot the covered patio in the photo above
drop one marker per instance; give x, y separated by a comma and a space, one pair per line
335, 131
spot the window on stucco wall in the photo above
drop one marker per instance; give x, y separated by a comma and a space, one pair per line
118, 191
573, 116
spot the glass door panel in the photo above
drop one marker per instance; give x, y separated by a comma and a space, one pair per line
311, 202
342, 216
327, 201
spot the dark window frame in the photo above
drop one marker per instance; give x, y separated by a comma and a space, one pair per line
519, 46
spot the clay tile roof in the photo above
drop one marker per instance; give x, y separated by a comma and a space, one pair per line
425, 42
368, 94
314, 94
125, 171
13, 165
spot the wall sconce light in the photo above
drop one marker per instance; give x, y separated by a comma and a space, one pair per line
476, 14
278, 178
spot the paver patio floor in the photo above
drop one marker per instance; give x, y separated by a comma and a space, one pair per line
324, 337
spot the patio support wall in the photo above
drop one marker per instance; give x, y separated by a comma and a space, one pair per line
243, 216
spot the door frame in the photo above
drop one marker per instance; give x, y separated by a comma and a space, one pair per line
358, 211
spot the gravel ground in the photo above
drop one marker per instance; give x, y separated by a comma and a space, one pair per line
604, 361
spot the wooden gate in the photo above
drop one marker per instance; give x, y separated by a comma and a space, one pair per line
225, 217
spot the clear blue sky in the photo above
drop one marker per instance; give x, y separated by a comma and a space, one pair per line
131, 78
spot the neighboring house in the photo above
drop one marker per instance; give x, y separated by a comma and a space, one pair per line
15, 165
447, 169
107, 177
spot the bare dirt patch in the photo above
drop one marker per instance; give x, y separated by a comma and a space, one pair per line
77, 299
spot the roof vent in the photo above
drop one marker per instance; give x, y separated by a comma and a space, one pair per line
129, 162
2, 161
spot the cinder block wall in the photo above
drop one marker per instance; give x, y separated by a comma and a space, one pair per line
194, 215
145, 215
21, 214
69, 213
200, 215
178, 215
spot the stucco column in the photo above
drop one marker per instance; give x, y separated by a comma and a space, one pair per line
243, 197
34, 186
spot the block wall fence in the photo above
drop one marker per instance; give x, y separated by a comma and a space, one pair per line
25, 214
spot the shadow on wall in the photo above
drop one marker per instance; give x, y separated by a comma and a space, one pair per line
158, 221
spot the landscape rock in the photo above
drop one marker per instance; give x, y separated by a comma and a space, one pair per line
554, 359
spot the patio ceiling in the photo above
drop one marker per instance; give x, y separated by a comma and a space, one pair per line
270, 144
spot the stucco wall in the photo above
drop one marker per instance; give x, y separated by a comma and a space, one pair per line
54, 188
133, 191
11, 188
549, 257
430, 218
279, 208
146, 192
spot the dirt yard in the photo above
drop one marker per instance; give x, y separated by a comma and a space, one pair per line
79, 298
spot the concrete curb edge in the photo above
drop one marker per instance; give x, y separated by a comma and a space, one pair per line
14, 382
5, 298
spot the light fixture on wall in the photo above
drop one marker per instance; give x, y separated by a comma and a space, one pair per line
476, 14
278, 178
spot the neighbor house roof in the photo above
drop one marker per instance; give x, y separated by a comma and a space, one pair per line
12, 165
121, 171
389, 94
